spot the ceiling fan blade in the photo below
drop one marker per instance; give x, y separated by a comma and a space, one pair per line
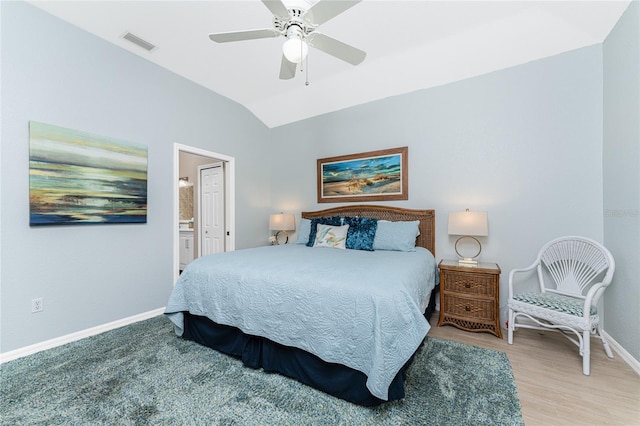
243, 35
337, 48
287, 69
324, 10
277, 8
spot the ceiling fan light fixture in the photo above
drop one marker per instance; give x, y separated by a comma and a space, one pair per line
295, 49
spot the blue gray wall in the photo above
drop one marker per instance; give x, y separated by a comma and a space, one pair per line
523, 144
91, 275
622, 178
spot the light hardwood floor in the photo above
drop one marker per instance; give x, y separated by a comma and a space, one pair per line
548, 372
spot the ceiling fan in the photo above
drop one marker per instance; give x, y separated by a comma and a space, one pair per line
299, 27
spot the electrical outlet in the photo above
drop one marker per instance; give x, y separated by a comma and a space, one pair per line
37, 305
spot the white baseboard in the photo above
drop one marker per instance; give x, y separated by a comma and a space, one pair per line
626, 356
59, 341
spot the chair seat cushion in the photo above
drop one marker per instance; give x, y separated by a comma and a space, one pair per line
557, 302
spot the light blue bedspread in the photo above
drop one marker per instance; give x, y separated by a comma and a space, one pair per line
358, 308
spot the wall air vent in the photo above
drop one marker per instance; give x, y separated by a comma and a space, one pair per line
138, 41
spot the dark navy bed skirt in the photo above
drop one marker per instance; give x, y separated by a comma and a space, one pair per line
257, 352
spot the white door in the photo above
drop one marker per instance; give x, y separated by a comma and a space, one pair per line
212, 229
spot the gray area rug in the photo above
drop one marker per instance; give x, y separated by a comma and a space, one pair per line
144, 374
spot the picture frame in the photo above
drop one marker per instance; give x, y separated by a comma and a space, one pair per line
368, 176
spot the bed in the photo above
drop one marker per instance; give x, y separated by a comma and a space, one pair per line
337, 320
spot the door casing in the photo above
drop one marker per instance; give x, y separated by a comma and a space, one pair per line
230, 199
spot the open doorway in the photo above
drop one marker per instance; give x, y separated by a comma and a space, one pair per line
190, 209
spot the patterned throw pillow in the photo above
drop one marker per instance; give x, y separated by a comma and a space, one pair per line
362, 231
331, 220
331, 236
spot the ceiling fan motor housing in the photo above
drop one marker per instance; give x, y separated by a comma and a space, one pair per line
295, 26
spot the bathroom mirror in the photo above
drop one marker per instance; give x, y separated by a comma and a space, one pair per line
186, 199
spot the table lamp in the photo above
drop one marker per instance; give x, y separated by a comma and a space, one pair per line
281, 223
469, 225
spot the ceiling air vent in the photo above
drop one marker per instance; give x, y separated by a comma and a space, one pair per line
138, 41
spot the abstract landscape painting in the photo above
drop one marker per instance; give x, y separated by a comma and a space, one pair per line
370, 176
79, 178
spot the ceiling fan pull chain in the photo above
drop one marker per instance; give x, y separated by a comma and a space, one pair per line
301, 54
306, 83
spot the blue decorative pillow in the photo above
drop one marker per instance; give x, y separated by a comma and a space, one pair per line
397, 236
303, 231
362, 231
332, 220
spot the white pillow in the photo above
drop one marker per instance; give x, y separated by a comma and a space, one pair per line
331, 236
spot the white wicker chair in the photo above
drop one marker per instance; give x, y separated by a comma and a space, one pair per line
567, 268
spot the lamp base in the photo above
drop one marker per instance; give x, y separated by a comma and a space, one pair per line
467, 261
286, 236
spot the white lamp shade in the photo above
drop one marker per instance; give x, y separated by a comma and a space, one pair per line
468, 223
282, 222
295, 50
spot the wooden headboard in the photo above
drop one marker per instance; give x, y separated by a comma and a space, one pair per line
427, 218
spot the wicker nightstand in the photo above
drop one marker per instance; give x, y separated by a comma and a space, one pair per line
470, 296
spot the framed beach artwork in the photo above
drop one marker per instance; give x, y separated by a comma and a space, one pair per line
368, 176
80, 178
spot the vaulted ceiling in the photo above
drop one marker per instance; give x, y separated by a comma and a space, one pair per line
410, 45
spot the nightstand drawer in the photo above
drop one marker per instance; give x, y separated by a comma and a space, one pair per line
472, 309
470, 283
